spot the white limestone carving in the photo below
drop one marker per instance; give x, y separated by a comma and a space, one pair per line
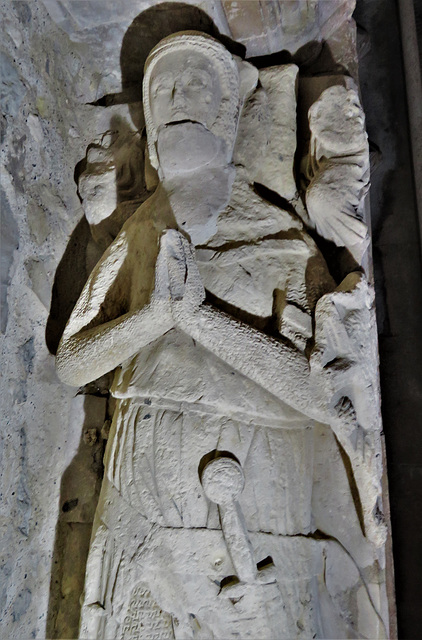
266, 143
112, 186
267, 27
241, 496
338, 169
206, 92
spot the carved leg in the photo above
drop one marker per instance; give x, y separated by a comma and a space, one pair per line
118, 604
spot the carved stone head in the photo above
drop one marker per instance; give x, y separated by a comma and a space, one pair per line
190, 77
337, 124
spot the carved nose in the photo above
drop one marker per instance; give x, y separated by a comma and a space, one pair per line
177, 96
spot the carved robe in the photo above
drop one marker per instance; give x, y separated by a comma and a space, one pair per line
158, 560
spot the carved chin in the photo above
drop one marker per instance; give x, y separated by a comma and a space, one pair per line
186, 146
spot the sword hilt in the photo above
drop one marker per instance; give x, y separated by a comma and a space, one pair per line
223, 481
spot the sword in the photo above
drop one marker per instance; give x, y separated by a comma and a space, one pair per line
223, 481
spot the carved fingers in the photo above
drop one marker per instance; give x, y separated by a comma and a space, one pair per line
177, 274
162, 284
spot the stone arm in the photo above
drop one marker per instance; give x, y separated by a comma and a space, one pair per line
87, 352
270, 363
315, 388
285, 372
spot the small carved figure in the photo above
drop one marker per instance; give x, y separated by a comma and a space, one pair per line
229, 507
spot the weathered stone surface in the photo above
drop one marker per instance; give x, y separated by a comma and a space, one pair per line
267, 27
59, 58
254, 445
276, 168
9, 243
338, 169
46, 134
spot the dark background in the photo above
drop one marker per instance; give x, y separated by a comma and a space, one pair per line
398, 281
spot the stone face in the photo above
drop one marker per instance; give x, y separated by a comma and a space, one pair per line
275, 370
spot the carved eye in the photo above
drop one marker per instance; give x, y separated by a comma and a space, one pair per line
161, 83
197, 82
196, 79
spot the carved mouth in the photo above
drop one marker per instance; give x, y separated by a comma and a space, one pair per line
181, 121
173, 123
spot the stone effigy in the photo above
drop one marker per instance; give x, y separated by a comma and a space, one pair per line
242, 487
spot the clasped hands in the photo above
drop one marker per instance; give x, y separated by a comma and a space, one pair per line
178, 286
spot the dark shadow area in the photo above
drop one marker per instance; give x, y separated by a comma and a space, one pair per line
156, 23
81, 482
313, 59
263, 324
89, 241
316, 59
398, 283
214, 455
274, 198
69, 280
79, 492
418, 19
339, 260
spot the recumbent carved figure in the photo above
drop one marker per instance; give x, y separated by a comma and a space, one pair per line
244, 401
